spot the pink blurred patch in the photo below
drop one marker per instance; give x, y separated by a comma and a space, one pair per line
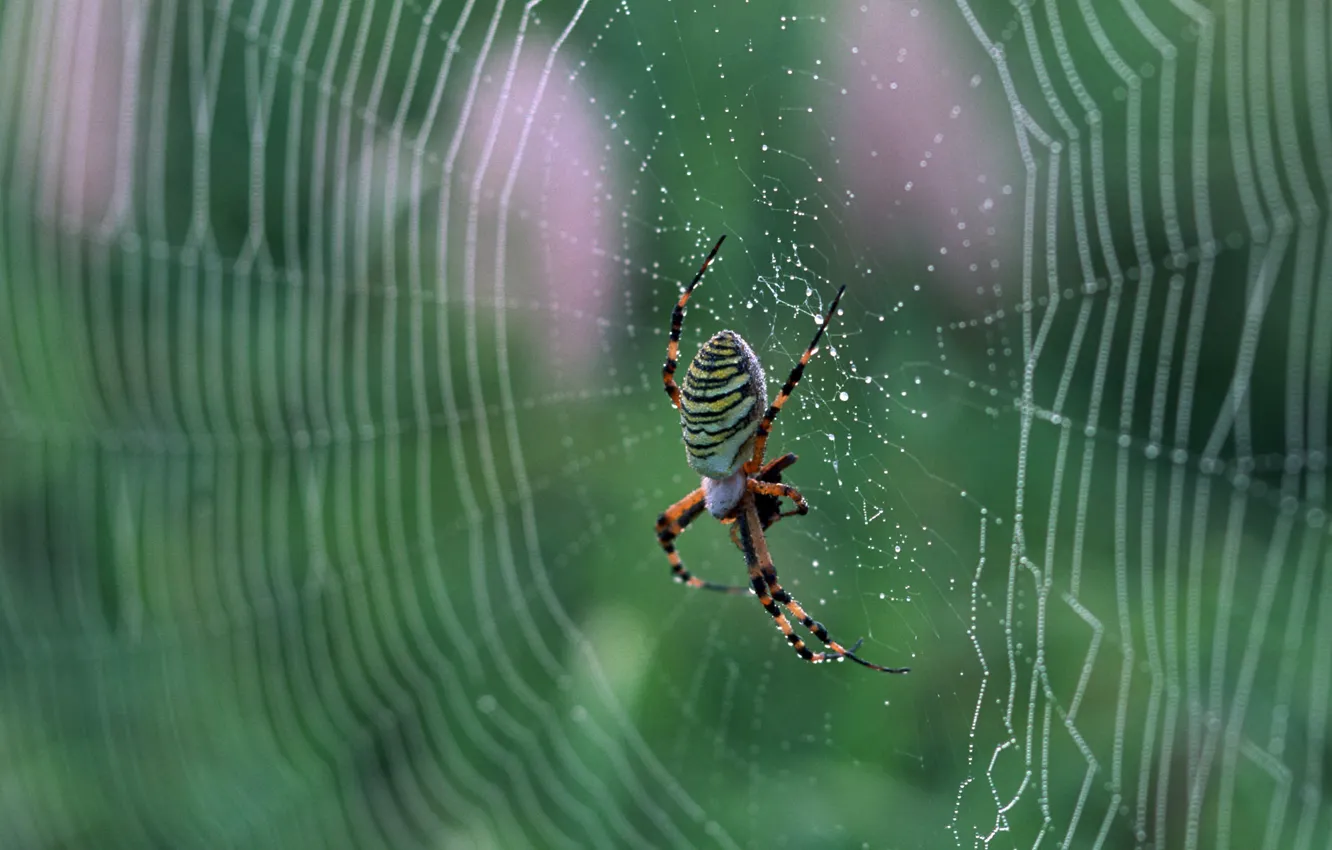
559, 263
926, 131
73, 114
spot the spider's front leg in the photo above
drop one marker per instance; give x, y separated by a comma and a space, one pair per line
763, 578
670, 525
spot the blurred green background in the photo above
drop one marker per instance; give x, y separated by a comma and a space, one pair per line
332, 434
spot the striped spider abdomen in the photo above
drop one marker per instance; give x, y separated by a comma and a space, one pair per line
722, 399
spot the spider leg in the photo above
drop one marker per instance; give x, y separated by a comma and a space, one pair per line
759, 562
772, 470
769, 515
769, 505
770, 488
763, 577
670, 525
765, 426
677, 322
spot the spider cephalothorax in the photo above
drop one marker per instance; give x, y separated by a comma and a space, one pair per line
725, 436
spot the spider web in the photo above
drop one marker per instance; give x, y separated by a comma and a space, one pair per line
333, 435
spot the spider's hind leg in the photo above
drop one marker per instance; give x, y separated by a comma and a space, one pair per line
765, 425
677, 323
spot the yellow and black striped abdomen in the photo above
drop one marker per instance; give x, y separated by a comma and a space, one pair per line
722, 399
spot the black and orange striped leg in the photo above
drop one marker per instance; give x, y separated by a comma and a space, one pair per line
765, 426
677, 322
759, 561
768, 502
769, 507
670, 525
768, 522
772, 470
769, 488
763, 578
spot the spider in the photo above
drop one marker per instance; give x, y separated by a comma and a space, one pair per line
725, 437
